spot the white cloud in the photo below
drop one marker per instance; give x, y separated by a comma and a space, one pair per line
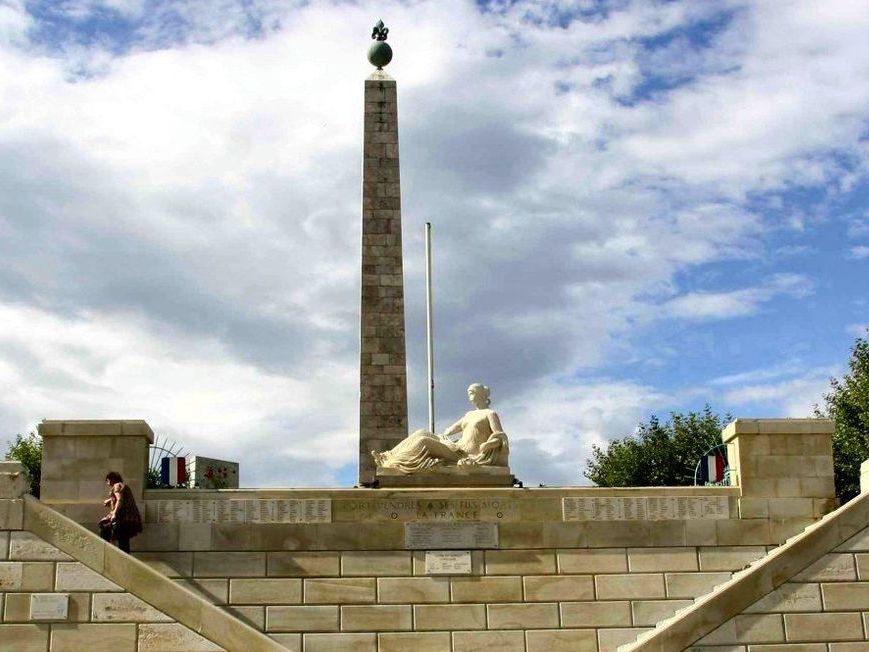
737, 303
796, 396
859, 252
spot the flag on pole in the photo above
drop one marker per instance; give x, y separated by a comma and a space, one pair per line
173, 471
712, 468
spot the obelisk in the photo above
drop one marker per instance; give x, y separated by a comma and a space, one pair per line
383, 371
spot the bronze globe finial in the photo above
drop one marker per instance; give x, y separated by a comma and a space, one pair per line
379, 54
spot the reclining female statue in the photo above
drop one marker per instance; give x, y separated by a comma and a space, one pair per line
483, 442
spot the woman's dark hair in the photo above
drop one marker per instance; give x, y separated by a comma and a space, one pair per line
114, 477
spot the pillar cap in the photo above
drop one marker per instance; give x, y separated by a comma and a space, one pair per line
96, 428
777, 427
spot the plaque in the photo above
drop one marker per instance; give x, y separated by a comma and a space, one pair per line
449, 536
447, 562
642, 508
49, 606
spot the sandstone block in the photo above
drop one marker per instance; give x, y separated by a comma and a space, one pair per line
340, 643
213, 590
339, 591
789, 597
609, 640
377, 618
632, 586
692, 585
191, 536
862, 646
729, 558
93, 638
304, 564
4, 545
253, 616
415, 590
791, 508
376, 563
751, 628
843, 596
558, 588
449, 617
646, 560
595, 614
26, 576
301, 619
788, 647
293, 642
11, 514
23, 638
823, 627
561, 640
123, 607
862, 561
488, 642
857, 543
17, 609
265, 591
171, 564
171, 638
520, 562
701, 533
229, 564
523, 616
486, 589
593, 560
834, 567
416, 641
13, 480
73, 576
743, 531
651, 612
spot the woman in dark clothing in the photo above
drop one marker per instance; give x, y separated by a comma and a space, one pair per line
123, 520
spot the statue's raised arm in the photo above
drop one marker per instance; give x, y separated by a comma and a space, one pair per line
483, 441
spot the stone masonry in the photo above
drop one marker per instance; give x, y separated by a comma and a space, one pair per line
383, 374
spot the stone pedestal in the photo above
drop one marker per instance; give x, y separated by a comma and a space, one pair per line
383, 373
76, 456
448, 476
783, 467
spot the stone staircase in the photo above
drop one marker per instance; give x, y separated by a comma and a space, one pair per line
691, 623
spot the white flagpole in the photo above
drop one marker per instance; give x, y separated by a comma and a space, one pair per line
428, 328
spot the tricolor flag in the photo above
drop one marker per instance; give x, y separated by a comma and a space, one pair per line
173, 471
712, 468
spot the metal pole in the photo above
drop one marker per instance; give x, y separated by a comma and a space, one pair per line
428, 327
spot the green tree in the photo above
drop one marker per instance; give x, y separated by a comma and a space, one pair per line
847, 403
658, 454
28, 451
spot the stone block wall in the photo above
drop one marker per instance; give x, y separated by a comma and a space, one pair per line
522, 600
101, 615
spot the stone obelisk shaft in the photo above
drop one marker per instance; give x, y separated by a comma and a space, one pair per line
383, 370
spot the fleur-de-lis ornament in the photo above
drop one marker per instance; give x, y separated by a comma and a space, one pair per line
379, 54
380, 31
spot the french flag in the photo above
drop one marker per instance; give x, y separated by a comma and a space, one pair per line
712, 468
173, 471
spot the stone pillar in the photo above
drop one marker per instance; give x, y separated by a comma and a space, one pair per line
383, 372
76, 456
13, 485
784, 469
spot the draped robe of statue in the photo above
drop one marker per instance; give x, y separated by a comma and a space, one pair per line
483, 443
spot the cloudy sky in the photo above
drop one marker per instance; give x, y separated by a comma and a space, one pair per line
638, 207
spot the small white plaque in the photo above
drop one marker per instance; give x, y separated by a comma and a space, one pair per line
447, 562
450, 536
49, 606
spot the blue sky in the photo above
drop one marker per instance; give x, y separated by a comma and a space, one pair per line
638, 207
